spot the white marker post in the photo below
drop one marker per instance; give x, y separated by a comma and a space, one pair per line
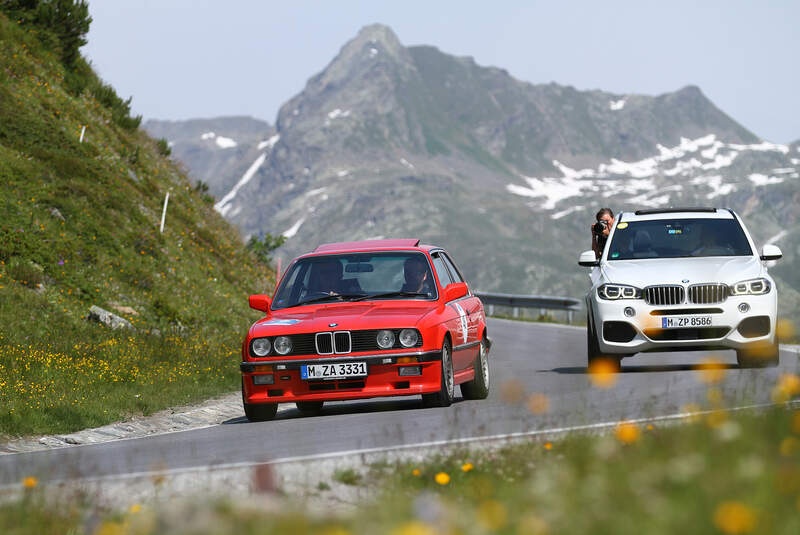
83, 131
164, 212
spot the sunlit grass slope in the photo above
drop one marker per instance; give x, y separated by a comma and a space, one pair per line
79, 226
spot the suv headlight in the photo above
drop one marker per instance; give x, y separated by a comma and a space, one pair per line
759, 286
619, 291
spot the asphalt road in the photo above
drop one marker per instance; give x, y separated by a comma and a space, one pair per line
526, 358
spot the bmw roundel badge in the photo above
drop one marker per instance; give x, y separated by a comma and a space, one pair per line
333, 325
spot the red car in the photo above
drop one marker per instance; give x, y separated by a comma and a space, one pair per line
362, 320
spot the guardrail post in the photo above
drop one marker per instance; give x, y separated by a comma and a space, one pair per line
515, 312
491, 310
569, 317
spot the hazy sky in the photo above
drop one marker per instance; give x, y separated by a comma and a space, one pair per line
183, 59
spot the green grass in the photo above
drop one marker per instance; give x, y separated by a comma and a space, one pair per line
80, 227
722, 473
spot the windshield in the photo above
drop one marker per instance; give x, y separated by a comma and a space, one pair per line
678, 238
357, 276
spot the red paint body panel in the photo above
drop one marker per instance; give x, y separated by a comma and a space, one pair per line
462, 321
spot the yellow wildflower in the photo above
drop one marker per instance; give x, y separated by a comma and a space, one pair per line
415, 472
415, 528
734, 518
538, 403
442, 478
467, 467
603, 373
627, 432
30, 482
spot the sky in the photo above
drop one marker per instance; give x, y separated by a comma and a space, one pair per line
182, 59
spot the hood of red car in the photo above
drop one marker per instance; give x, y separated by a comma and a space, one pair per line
346, 316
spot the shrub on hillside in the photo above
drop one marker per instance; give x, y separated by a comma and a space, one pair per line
61, 25
25, 272
262, 247
163, 147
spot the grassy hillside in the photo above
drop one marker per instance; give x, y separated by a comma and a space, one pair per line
80, 227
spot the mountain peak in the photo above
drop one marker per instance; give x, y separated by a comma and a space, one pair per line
377, 33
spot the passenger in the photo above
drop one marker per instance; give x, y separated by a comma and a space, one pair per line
417, 276
601, 229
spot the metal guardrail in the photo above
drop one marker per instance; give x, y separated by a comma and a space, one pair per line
517, 301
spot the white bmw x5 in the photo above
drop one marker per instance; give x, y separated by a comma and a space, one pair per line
682, 279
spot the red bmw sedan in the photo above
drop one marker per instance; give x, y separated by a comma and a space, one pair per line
361, 320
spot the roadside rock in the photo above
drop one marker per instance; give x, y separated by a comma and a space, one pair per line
107, 318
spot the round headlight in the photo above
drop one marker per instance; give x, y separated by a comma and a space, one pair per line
261, 347
283, 344
385, 339
408, 337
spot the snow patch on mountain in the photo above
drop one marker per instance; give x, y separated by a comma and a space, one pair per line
225, 142
616, 177
291, 231
269, 143
616, 105
224, 205
764, 180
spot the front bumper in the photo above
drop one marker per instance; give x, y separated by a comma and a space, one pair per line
383, 379
730, 329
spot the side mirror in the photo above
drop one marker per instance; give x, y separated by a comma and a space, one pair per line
260, 302
771, 252
455, 290
588, 259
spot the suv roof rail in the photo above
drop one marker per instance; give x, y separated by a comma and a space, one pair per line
673, 210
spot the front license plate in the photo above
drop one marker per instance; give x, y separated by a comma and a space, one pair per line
340, 370
679, 322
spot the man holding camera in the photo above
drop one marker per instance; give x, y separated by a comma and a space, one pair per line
600, 230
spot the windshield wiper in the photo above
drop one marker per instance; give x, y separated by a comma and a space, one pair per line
391, 294
354, 297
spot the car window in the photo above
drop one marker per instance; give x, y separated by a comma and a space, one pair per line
441, 270
358, 274
678, 238
455, 275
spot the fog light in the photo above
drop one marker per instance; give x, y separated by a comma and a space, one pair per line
629, 312
263, 379
410, 370
744, 308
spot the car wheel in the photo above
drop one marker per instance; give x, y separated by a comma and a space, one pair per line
310, 408
444, 397
478, 388
609, 363
759, 356
258, 412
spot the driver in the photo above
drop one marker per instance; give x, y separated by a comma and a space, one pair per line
417, 276
326, 277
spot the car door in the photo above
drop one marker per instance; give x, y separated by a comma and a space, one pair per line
474, 310
459, 324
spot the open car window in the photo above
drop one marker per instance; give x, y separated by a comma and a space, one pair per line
356, 276
678, 238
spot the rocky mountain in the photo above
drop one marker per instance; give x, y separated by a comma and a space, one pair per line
391, 140
215, 151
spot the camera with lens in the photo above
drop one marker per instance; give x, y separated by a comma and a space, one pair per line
599, 227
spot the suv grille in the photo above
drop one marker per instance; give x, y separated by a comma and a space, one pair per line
664, 295
708, 294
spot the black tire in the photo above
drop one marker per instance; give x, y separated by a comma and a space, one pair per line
594, 357
759, 356
447, 383
478, 388
310, 408
258, 412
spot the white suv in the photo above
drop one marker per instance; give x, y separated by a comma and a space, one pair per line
681, 280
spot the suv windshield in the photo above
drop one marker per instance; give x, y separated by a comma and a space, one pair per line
361, 276
678, 238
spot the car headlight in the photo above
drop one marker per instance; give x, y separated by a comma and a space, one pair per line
409, 337
759, 286
283, 344
619, 291
385, 339
260, 347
